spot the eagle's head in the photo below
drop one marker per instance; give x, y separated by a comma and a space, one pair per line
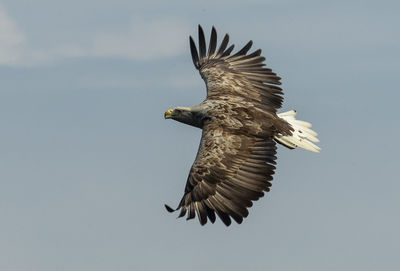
179, 113
185, 115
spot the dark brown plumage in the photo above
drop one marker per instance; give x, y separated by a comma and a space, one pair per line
236, 158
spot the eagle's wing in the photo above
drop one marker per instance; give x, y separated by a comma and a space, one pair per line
230, 171
240, 74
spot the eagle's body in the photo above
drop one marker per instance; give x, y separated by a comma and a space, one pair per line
236, 158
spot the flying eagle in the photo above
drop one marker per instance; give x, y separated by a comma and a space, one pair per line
236, 157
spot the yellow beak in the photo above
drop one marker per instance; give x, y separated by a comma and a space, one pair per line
167, 114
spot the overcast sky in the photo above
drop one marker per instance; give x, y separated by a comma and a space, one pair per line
87, 160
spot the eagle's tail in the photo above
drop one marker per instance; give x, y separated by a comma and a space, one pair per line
302, 136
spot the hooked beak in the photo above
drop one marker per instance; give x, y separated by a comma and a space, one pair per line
168, 113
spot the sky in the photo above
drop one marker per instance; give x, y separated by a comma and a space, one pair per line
87, 160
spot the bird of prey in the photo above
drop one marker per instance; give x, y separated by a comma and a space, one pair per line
235, 161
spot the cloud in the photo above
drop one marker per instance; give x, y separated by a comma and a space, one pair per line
12, 40
141, 40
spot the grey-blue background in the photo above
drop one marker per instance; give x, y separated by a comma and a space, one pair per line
87, 160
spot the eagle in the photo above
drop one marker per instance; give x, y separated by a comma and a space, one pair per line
240, 126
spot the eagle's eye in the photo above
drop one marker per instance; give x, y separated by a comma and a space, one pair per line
177, 111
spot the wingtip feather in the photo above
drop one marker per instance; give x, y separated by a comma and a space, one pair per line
169, 209
213, 42
202, 43
193, 51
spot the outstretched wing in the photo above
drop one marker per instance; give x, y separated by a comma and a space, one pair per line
230, 171
240, 74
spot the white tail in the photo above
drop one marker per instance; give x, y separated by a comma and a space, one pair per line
302, 135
